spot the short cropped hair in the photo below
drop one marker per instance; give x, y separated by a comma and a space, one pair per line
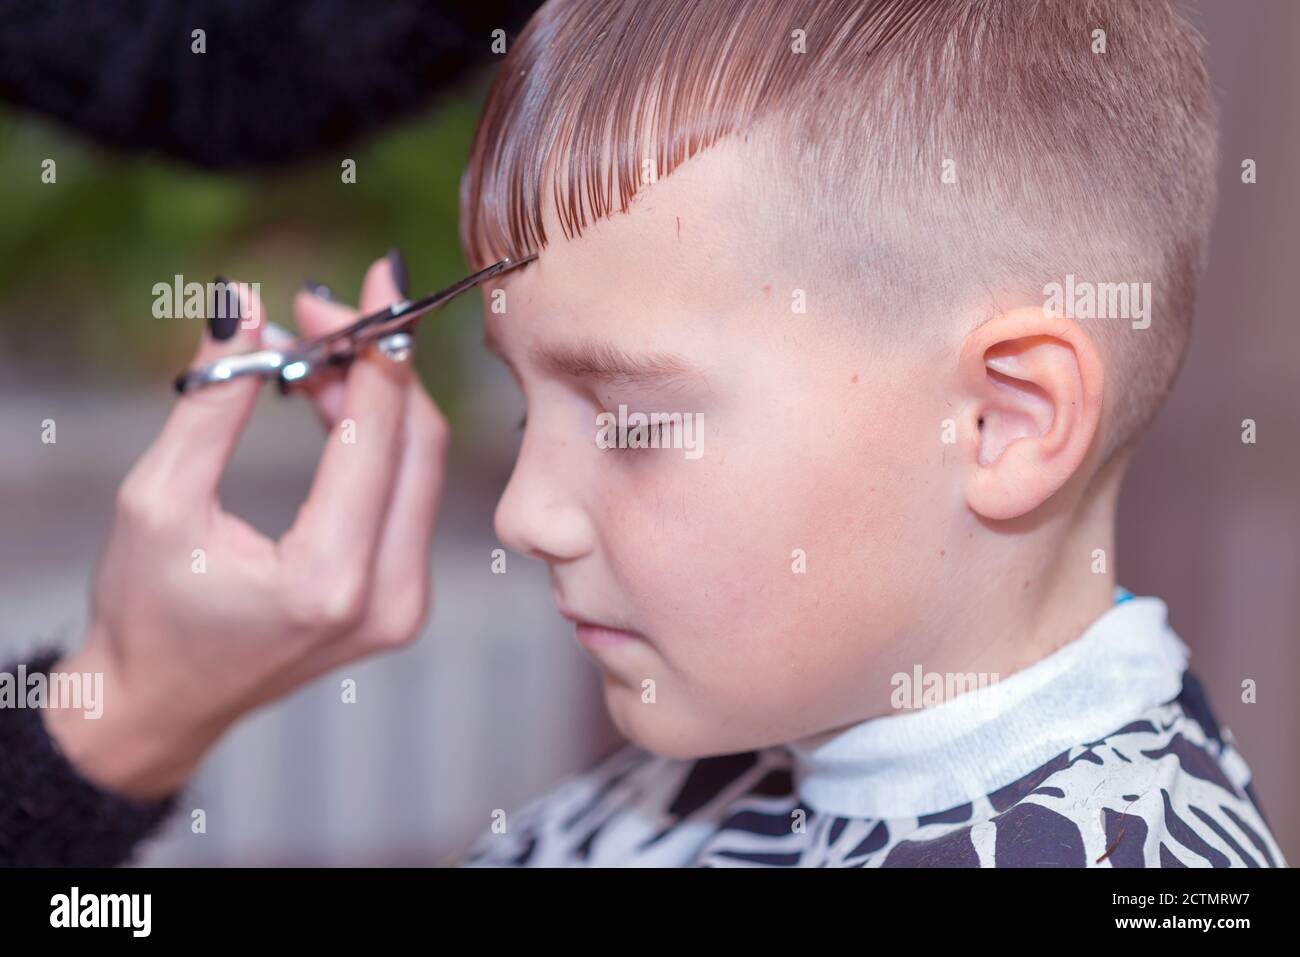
929, 149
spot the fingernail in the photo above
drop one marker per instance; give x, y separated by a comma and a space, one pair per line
397, 263
223, 309
319, 290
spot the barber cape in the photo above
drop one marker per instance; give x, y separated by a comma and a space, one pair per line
1103, 754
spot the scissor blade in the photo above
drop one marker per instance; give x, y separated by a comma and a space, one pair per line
305, 352
411, 310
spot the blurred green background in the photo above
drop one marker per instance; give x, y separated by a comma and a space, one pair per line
81, 256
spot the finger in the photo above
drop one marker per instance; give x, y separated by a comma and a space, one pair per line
316, 313
385, 282
316, 316
404, 553
204, 426
403, 561
344, 512
405, 549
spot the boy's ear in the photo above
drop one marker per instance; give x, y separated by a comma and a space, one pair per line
1033, 386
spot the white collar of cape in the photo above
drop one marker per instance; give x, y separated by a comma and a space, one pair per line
933, 759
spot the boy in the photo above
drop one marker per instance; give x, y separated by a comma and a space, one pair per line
923, 272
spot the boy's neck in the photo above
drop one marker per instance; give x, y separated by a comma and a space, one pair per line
1066, 582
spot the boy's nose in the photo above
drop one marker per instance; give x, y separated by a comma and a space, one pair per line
536, 516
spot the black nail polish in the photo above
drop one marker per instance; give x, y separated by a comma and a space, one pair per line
397, 263
223, 309
319, 290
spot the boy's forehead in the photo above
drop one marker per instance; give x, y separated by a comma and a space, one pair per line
681, 240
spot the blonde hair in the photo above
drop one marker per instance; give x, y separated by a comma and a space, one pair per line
1080, 136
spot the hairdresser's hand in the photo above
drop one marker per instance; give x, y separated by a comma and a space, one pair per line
189, 641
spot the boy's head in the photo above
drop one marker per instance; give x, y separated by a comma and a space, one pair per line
888, 278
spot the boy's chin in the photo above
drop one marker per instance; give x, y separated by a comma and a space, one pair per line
665, 730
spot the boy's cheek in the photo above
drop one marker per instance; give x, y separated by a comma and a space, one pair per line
749, 608
740, 541
711, 584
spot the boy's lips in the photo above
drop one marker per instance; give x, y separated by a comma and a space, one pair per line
596, 634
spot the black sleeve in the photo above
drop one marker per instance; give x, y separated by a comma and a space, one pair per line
279, 81
49, 814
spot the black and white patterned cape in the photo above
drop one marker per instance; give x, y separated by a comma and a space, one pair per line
1164, 787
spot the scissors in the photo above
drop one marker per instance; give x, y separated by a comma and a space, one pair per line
389, 329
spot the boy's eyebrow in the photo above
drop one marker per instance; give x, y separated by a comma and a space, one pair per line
604, 362
586, 359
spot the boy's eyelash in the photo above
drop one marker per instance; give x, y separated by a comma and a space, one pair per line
655, 431
523, 422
